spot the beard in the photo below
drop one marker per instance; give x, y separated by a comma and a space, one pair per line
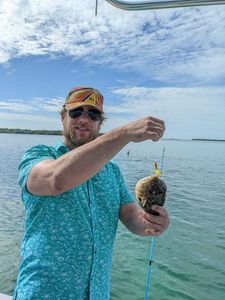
76, 141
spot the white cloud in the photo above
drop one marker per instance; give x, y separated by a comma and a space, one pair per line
180, 48
29, 121
173, 103
27, 117
41, 105
187, 112
16, 105
167, 45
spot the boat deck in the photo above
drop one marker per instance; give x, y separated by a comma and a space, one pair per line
5, 297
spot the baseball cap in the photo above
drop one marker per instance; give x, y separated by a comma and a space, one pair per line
81, 96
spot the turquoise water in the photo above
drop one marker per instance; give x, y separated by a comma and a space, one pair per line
189, 259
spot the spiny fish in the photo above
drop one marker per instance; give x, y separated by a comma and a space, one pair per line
150, 190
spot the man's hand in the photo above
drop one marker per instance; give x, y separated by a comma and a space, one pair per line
142, 223
144, 129
155, 225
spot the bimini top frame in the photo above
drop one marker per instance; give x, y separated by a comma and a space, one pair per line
145, 5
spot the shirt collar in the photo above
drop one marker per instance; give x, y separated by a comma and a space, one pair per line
60, 146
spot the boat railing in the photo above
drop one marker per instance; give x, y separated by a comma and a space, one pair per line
146, 5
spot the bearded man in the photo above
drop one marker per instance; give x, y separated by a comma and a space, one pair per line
74, 195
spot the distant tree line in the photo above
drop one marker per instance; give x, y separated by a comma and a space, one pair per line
29, 131
209, 140
59, 132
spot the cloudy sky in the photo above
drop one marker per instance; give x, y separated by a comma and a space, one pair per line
167, 63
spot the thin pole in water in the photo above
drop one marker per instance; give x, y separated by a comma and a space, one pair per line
153, 241
162, 160
149, 269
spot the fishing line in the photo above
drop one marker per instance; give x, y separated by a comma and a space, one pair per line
162, 161
153, 240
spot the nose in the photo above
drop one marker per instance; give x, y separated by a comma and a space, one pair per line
84, 116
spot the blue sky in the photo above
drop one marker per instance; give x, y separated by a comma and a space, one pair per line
166, 63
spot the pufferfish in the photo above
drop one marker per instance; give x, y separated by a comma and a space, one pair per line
150, 190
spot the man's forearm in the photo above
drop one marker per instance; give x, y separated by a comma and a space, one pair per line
52, 177
129, 216
82, 163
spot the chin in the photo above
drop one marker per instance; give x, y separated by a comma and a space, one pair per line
76, 140
79, 141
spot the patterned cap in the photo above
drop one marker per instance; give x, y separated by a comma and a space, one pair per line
82, 96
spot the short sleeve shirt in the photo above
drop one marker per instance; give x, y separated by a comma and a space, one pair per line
66, 252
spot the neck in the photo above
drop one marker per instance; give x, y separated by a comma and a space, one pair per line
68, 144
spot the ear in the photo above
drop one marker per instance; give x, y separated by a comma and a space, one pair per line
99, 125
63, 115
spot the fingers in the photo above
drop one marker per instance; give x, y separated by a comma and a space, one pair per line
144, 129
155, 136
156, 128
157, 219
155, 225
152, 232
161, 210
158, 122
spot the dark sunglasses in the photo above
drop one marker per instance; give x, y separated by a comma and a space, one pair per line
93, 114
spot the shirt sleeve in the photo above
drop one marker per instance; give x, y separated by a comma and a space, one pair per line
125, 196
30, 159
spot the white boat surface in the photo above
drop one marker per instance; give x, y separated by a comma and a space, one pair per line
5, 297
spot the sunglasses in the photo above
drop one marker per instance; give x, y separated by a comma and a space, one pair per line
93, 114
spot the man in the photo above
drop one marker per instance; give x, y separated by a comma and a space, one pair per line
73, 196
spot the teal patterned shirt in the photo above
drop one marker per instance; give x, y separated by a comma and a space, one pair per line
66, 252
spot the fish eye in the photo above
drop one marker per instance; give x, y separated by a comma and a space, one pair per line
139, 198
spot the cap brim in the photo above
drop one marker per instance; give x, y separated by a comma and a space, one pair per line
71, 106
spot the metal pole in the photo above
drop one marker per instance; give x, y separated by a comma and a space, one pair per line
159, 5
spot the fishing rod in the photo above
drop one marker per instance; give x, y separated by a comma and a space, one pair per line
158, 173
